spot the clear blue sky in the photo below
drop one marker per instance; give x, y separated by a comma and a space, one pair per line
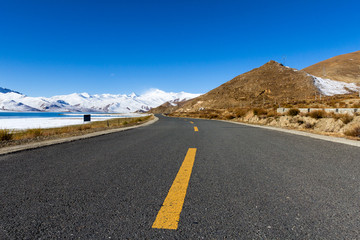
55, 47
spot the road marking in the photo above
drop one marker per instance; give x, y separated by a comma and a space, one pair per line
191, 122
196, 129
169, 215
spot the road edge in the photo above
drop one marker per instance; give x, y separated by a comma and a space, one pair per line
18, 148
306, 134
295, 132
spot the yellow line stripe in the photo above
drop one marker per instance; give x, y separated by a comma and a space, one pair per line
196, 129
191, 122
169, 215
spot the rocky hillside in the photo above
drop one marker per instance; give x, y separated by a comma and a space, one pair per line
344, 68
269, 84
166, 108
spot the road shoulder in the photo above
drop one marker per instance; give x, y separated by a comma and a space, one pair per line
18, 148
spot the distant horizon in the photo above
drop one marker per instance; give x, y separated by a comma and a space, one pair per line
92, 94
116, 47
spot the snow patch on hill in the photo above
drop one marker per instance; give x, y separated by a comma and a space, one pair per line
330, 87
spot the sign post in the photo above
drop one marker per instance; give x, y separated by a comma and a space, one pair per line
87, 118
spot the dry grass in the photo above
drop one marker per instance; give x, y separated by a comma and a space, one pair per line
345, 118
230, 116
272, 113
260, 111
240, 112
317, 114
8, 137
355, 132
293, 112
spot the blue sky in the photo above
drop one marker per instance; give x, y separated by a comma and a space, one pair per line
60, 47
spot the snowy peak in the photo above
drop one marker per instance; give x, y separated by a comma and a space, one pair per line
6, 90
84, 102
133, 95
161, 96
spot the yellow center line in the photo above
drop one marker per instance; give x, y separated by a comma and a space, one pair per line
191, 122
169, 215
196, 129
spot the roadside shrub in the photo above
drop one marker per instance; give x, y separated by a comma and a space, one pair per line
229, 116
317, 114
293, 112
213, 115
355, 132
346, 118
309, 126
272, 113
240, 112
6, 135
259, 111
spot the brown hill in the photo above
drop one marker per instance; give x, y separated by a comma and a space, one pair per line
164, 108
167, 107
344, 68
269, 84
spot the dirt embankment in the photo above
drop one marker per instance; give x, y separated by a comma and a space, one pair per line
342, 126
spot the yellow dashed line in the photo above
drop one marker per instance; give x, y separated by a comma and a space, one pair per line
169, 215
196, 129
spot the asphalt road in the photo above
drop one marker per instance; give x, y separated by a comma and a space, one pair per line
246, 183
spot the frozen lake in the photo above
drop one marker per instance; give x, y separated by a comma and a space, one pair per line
28, 120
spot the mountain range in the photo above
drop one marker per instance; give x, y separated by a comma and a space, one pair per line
269, 85
83, 102
274, 84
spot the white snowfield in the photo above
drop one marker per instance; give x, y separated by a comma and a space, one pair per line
31, 123
330, 87
83, 102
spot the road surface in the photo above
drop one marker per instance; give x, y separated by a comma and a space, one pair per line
183, 179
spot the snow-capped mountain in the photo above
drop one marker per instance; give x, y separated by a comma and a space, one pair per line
6, 90
84, 102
